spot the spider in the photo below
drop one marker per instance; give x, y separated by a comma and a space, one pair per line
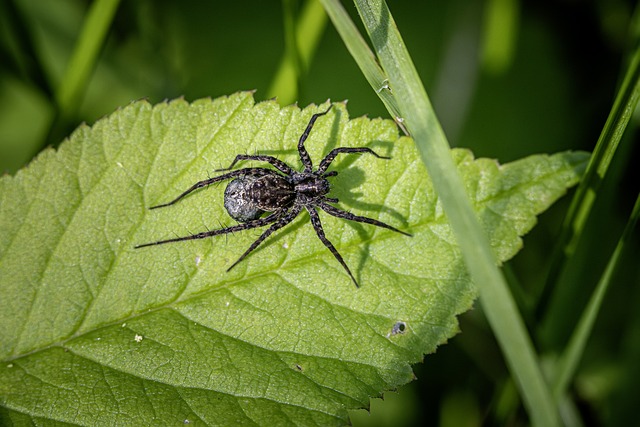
256, 191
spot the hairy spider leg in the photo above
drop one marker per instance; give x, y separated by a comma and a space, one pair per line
279, 164
326, 162
260, 222
304, 155
317, 225
207, 182
339, 213
284, 220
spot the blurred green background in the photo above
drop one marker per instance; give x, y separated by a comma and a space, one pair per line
507, 78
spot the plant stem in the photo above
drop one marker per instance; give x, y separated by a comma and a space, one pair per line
302, 38
417, 114
85, 54
582, 202
568, 362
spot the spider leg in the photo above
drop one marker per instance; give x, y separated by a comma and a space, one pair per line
317, 225
304, 155
239, 227
324, 164
279, 164
281, 222
339, 213
207, 182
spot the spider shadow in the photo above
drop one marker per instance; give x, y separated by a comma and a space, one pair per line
350, 178
343, 187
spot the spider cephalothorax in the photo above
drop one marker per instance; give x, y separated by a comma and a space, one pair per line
281, 193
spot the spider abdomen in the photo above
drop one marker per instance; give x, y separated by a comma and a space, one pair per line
247, 198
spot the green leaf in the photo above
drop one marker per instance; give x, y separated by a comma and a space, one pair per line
95, 332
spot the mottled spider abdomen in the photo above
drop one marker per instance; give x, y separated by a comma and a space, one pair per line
237, 201
248, 197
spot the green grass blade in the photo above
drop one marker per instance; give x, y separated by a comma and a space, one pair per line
421, 121
568, 362
607, 145
362, 54
500, 34
85, 54
302, 40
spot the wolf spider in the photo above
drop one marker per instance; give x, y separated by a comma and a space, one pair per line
256, 191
